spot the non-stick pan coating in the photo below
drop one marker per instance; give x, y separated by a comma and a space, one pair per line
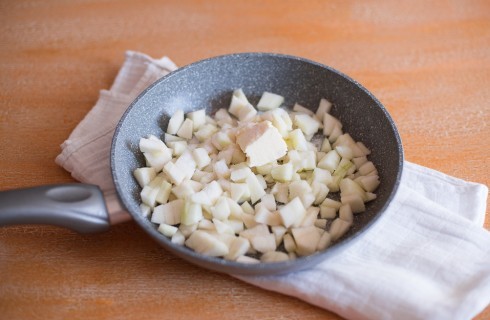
209, 84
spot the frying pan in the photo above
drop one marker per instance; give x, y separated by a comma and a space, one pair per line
209, 84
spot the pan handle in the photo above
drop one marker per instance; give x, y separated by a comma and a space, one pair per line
76, 206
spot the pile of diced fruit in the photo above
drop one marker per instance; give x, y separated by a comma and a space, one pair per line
249, 185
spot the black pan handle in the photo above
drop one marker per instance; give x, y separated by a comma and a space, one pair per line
76, 206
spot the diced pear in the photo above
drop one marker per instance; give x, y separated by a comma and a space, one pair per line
167, 230
186, 129
192, 213
149, 196
226, 155
329, 123
225, 184
289, 243
240, 94
345, 152
221, 140
328, 212
320, 223
204, 243
222, 227
283, 173
201, 157
345, 213
240, 107
240, 174
237, 156
157, 160
320, 191
198, 118
266, 168
278, 121
175, 122
169, 213
236, 225
163, 192
207, 177
292, 212
298, 189
302, 110
221, 210
256, 189
323, 107
344, 140
336, 132
330, 161
247, 208
222, 117
298, 140
258, 229
306, 239
370, 196
183, 190
269, 101
310, 217
152, 144
363, 148
281, 192
178, 238
326, 147
221, 169
249, 220
144, 175
264, 216
209, 194
331, 203
359, 161
187, 230
261, 181
338, 228
186, 164
307, 124
206, 224
240, 192
349, 187
172, 138
263, 243
322, 176
279, 232
269, 202
367, 168
274, 256
355, 202
205, 132
178, 147
324, 241
210, 120
238, 247
174, 173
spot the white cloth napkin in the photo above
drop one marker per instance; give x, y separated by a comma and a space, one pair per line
427, 257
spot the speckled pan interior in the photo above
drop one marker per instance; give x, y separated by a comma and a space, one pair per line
209, 84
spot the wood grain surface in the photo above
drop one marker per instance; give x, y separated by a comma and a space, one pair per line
427, 61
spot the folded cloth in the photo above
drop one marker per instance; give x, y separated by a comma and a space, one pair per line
427, 257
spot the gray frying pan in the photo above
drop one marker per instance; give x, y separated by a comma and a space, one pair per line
209, 84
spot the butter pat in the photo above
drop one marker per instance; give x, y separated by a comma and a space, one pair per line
261, 142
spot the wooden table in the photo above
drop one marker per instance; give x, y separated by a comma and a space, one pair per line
428, 62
